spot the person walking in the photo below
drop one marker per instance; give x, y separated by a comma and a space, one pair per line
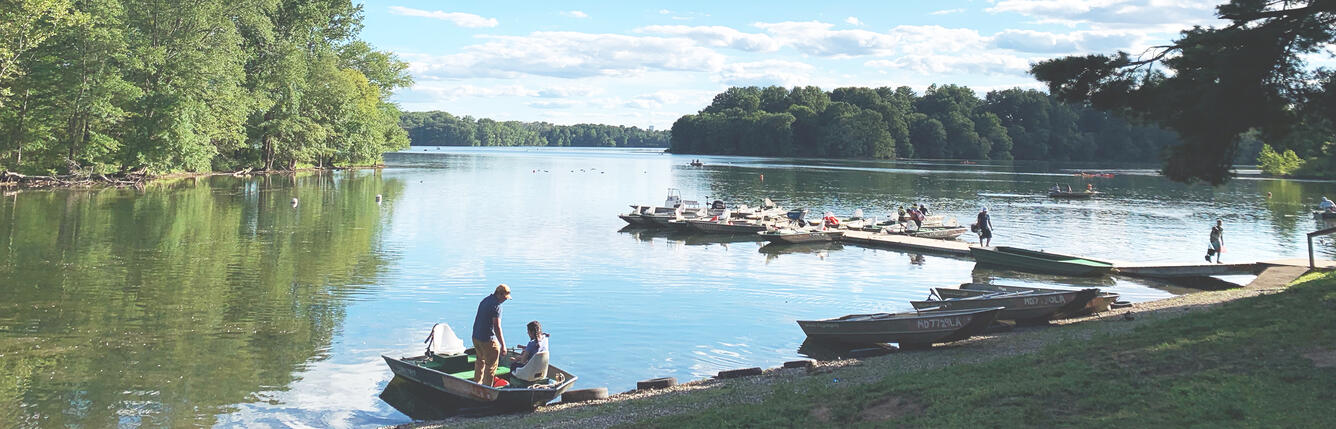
985, 223
487, 339
1217, 241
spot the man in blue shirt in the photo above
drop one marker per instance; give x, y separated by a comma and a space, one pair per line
488, 342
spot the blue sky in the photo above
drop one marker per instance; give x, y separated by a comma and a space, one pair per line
648, 63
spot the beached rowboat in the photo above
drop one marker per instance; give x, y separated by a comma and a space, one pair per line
1099, 304
1039, 262
917, 329
1026, 306
451, 374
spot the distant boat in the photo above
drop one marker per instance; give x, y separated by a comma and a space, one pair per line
1081, 195
1026, 306
916, 329
1039, 262
1323, 214
1099, 304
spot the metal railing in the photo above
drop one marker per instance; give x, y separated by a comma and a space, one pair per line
1312, 264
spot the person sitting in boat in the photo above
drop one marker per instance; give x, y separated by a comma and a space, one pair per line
1090, 187
916, 216
1327, 205
830, 221
1055, 188
531, 365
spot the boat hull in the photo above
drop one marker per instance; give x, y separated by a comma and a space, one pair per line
907, 329
801, 237
1099, 304
1039, 262
1018, 306
726, 228
634, 219
478, 394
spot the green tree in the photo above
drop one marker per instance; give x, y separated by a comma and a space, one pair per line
1213, 84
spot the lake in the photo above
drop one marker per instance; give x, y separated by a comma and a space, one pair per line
215, 301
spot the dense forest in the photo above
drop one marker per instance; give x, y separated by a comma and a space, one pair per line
443, 129
103, 86
945, 122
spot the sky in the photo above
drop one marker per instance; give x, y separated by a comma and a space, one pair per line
642, 63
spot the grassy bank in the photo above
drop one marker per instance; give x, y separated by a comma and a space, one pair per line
1267, 360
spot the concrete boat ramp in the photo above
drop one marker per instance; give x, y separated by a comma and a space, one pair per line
1269, 273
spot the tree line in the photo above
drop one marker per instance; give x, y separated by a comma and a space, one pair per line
103, 86
947, 121
438, 128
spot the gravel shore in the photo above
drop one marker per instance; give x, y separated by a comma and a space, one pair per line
633, 406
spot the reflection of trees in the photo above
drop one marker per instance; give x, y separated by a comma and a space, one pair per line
1286, 197
165, 307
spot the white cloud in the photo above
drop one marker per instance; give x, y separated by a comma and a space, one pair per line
766, 73
574, 14
819, 39
461, 19
665, 11
567, 55
946, 11
1143, 15
552, 104
854, 21
973, 64
438, 90
718, 36
1068, 43
567, 92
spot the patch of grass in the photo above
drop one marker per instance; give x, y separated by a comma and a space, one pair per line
1241, 364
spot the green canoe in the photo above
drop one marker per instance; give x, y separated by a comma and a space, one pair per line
1039, 262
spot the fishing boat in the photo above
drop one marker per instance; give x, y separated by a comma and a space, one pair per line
913, 329
1099, 304
797, 236
1039, 262
451, 373
728, 226
940, 233
1025, 306
1323, 214
640, 215
1080, 195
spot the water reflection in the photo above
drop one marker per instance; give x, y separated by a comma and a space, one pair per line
163, 308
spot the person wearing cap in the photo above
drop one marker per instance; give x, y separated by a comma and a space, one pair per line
488, 342
985, 223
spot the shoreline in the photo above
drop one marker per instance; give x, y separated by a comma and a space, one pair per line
697, 395
12, 182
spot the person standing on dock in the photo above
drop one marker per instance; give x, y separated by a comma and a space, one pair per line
487, 339
985, 223
1217, 241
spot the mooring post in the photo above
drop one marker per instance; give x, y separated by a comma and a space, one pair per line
1311, 264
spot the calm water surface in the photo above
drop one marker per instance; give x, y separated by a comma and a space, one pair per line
216, 302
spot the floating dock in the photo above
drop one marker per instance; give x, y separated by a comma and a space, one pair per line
1158, 270
905, 242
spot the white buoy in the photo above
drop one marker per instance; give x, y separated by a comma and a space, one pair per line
294, 201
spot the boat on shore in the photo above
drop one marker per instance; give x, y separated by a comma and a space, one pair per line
448, 367
1039, 262
909, 330
451, 374
1079, 195
1099, 304
1021, 306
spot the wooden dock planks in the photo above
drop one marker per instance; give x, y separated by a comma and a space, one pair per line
905, 242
